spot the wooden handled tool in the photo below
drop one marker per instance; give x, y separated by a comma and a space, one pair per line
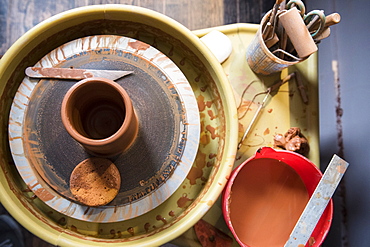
332, 19
297, 32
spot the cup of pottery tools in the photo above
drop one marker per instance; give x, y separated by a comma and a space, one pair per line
259, 57
266, 195
98, 113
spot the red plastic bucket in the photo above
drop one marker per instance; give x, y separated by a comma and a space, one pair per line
265, 196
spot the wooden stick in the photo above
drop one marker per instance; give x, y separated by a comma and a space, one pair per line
332, 19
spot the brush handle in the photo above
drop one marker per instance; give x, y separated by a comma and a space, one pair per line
332, 19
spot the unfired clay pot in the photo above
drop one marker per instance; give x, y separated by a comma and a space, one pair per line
98, 113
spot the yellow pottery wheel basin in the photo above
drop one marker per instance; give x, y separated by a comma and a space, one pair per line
217, 111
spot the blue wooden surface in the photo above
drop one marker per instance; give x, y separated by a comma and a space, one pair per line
344, 116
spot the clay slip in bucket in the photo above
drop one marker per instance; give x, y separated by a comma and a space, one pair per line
266, 195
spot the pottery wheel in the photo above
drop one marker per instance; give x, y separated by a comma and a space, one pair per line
161, 155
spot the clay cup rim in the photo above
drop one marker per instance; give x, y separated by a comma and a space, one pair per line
66, 119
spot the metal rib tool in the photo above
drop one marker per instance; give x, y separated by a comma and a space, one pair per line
74, 74
317, 203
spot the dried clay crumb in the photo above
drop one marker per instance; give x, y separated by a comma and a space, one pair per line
292, 140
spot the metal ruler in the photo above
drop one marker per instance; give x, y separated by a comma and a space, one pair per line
317, 203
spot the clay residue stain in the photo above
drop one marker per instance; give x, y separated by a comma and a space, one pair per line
26, 190
138, 45
88, 213
164, 58
19, 104
311, 241
66, 73
212, 131
87, 210
201, 160
23, 94
88, 74
14, 122
31, 187
210, 163
211, 114
203, 89
202, 104
170, 53
131, 231
61, 221
184, 201
73, 228
146, 227
112, 232
245, 106
341, 168
194, 174
241, 129
44, 195
182, 62
160, 218
212, 155
204, 139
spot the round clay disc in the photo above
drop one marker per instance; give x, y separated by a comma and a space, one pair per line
95, 181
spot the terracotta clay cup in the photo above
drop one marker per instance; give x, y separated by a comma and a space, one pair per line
265, 196
98, 113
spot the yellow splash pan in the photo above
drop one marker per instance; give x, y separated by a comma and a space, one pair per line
218, 137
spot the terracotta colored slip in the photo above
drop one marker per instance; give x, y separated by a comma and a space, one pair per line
266, 195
